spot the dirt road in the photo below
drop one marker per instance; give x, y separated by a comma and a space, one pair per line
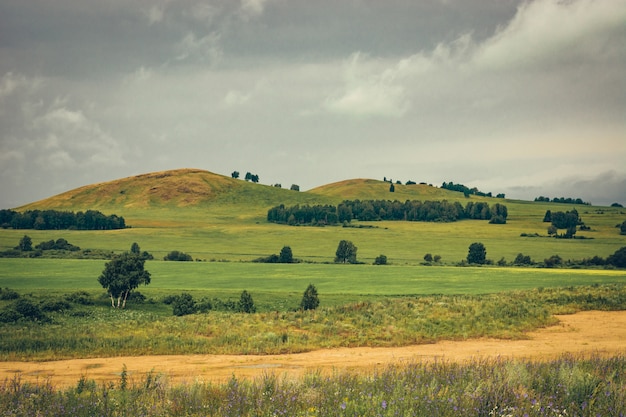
587, 332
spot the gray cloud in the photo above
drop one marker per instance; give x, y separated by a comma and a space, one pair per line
509, 96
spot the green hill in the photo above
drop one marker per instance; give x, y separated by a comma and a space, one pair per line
213, 216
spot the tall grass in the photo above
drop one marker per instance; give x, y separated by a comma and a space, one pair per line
96, 331
567, 386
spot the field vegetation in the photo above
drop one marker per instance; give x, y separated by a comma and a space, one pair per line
54, 307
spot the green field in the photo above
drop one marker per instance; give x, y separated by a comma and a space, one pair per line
221, 223
354, 280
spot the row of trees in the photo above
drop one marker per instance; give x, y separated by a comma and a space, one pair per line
568, 220
477, 254
466, 190
60, 220
249, 176
374, 210
185, 304
562, 200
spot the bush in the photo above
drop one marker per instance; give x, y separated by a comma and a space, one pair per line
246, 304
310, 299
177, 256
28, 310
183, 305
554, 260
8, 294
9, 316
80, 297
520, 259
380, 260
55, 305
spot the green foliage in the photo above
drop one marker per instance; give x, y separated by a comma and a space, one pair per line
286, 255
618, 259
8, 294
57, 220
184, 304
121, 275
26, 244
380, 260
346, 252
522, 259
477, 253
246, 304
59, 244
553, 261
178, 256
310, 298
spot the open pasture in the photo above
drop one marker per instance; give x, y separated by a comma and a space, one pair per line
351, 281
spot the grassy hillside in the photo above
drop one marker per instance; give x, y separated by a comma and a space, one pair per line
214, 217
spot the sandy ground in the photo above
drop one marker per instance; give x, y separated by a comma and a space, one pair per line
592, 332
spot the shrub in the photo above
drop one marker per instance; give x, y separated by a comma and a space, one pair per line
28, 310
177, 256
554, 260
310, 299
183, 305
80, 297
428, 257
9, 316
618, 258
8, 294
246, 304
55, 305
520, 259
380, 260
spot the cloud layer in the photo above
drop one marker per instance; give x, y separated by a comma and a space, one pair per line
525, 98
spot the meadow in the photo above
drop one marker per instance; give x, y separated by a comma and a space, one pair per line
224, 228
567, 386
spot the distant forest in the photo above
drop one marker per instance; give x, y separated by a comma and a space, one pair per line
60, 220
372, 210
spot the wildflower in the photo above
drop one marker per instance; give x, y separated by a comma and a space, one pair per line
384, 405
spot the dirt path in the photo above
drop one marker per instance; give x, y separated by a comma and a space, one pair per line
587, 332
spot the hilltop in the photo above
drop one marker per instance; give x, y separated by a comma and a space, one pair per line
188, 188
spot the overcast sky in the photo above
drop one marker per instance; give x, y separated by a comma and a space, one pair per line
527, 98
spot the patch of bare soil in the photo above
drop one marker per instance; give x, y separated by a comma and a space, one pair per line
592, 332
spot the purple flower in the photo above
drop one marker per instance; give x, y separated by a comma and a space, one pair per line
343, 406
384, 405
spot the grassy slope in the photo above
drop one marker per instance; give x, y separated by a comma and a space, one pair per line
215, 217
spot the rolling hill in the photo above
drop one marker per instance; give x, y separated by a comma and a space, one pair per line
192, 188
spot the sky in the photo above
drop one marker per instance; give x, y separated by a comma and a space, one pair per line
526, 98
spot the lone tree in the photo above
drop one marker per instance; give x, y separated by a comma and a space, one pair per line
286, 255
346, 252
246, 305
26, 244
121, 275
477, 253
310, 300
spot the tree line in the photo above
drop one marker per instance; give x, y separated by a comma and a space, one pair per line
562, 200
466, 190
60, 220
374, 210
